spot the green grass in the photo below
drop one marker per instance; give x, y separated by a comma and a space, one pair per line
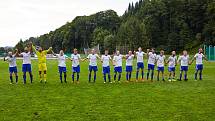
157, 101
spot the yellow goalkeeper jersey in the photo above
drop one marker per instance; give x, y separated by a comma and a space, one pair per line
41, 55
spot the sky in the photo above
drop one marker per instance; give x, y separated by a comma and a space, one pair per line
21, 19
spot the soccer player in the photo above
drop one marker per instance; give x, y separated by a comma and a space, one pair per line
184, 59
129, 64
106, 66
199, 63
172, 62
93, 64
160, 64
75, 58
11, 58
26, 64
62, 65
117, 62
41, 55
151, 62
140, 63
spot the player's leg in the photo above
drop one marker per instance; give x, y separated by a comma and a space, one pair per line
24, 69
158, 75
65, 76
60, 74
104, 70
94, 76
16, 74
147, 75
16, 77
30, 73
185, 75
181, 72
11, 77
200, 72
142, 72
90, 71
40, 76
137, 73
129, 76
196, 73
108, 72
115, 74
44, 75
162, 72
119, 76
152, 73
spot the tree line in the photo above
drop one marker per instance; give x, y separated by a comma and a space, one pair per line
163, 24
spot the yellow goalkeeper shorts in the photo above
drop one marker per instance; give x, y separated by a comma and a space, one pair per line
42, 67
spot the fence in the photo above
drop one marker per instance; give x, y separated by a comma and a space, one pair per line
210, 52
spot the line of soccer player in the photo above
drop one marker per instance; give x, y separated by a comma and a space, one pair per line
153, 59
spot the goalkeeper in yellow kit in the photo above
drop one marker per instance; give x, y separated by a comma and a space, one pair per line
41, 55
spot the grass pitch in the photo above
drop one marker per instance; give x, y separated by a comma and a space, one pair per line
148, 101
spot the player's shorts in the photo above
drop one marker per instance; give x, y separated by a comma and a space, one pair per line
129, 68
61, 69
160, 69
151, 67
76, 69
171, 69
140, 65
118, 69
199, 67
106, 70
13, 69
184, 68
26, 68
42, 67
93, 68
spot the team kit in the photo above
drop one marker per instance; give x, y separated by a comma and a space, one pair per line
154, 59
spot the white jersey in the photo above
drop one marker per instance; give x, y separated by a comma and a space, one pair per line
184, 60
11, 61
118, 60
152, 58
93, 59
140, 56
75, 59
61, 60
26, 57
199, 58
172, 61
105, 59
129, 60
160, 60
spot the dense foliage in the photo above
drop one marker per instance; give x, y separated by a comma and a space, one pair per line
166, 24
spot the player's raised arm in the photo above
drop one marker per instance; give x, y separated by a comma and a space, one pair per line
33, 48
49, 50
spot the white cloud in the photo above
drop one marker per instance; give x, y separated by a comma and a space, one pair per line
26, 18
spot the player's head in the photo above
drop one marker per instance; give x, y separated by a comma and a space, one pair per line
129, 52
93, 51
139, 49
161, 52
117, 52
173, 53
106, 52
61, 53
152, 50
26, 49
200, 50
40, 49
75, 51
10, 53
184, 52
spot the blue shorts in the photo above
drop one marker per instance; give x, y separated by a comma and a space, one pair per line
184, 68
13, 69
171, 69
61, 69
140, 65
118, 69
129, 68
199, 67
161, 69
106, 70
26, 68
76, 69
93, 68
151, 67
